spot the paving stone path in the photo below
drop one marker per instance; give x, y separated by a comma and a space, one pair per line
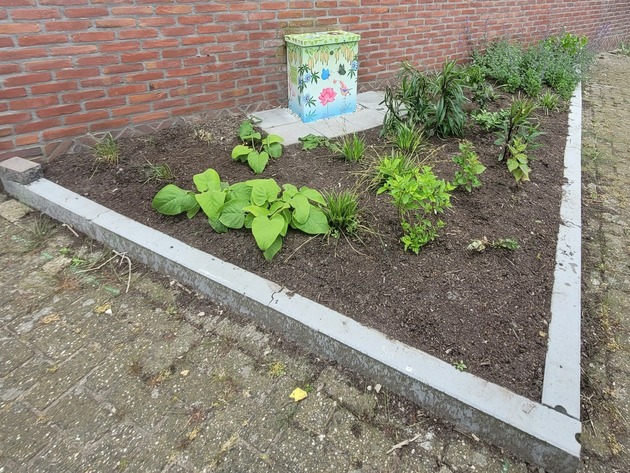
95, 378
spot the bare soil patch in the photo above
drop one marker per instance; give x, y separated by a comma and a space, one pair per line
489, 310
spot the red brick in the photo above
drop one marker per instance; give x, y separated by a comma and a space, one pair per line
58, 110
100, 60
12, 117
73, 50
77, 73
117, 46
186, 91
137, 33
173, 10
144, 76
102, 81
6, 131
42, 39
24, 140
178, 52
209, 29
185, 71
17, 3
139, 56
75, 25
109, 124
156, 21
35, 13
132, 10
37, 125
127, 89
34, 103
6, 42
19, 28
94, 36
53, 87
12, 93
74, 97
5, 145
198, 39
105, 103
26, 79
165, 64
123, 68
65, 132
195, 20
86, 117
230, 17
178, 31
47, 65
150, 97
86, 12
130, 110
6, 69
169, 104
160, 43
115, 22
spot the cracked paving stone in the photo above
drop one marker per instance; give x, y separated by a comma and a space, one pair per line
339, 388
12, 210
56, 456
56, 339
22, 434
21, 380
14, 353
315, 413
464, 456
60, 378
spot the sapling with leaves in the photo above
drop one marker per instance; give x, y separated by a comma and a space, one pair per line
469, 167
255, 149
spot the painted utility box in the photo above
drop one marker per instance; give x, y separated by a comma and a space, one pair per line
322, 72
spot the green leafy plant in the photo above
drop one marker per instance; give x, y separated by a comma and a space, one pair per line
518, 161
351, 147
460, 365
106, 150
342, 212
549, 102
258, 204
490, 121
156, 172
469, 167
448, 116
389, 166
502, 62
483, 244
518, 124
419, 197
311, 141
255, 149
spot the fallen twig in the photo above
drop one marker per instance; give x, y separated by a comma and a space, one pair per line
402, 444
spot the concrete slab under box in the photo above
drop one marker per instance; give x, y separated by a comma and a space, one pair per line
372, 100
275, 117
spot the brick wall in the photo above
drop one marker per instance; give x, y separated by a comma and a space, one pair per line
73, 67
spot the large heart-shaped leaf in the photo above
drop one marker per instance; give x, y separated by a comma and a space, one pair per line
208, 180
240, 191
257, 161
301, 208
266, 230
240, 152
313, 195
276, 246
317, 223
211, 202
232, 213
274, 150
263, 191
171, 200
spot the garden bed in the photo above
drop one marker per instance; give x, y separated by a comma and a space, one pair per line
489, 311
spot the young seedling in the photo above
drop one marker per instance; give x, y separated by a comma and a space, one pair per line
255, 149
157, 172
311, 141
352, 147
469, 167
342, 212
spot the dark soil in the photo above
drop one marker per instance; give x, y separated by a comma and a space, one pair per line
489, 310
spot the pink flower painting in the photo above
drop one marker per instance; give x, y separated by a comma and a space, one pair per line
327, 96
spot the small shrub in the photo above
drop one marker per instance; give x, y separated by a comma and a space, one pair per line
448, 116
502, 62
342, 212
518, 161
396, 165
106, 150
518, 124
419, 197
469, 167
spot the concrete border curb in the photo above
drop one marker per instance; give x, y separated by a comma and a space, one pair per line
533, 431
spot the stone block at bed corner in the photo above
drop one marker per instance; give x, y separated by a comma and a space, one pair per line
20, 170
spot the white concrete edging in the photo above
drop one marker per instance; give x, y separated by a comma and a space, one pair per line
542, 433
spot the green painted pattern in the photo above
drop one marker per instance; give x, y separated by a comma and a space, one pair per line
324, 37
